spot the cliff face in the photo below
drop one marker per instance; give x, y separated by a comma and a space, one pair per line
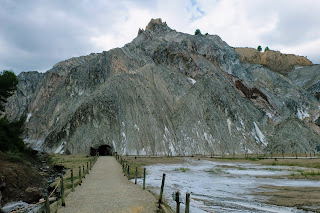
274, 60
169, 93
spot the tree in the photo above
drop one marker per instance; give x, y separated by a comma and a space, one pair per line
197, 32
10, 131
10, 135
8, 84
259, 48
266, 49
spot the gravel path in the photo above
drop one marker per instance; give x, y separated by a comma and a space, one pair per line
106, 189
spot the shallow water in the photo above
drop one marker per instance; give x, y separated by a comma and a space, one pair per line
219, 187
9, 207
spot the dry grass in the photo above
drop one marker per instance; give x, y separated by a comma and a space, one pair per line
70, 162
309, 163
306, 198
141, 162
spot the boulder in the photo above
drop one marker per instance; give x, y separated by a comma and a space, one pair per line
32, 194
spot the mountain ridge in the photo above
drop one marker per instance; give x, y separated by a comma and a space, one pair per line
166, 93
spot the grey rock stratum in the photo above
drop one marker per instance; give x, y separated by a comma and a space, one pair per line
168, 93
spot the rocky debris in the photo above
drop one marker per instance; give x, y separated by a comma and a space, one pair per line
21, 179
274, 60
32, 194
168, 93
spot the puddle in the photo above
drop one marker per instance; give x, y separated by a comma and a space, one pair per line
221, 187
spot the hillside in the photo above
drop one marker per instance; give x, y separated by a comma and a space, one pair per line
274, 60
168, 93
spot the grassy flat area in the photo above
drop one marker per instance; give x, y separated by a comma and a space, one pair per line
70, 162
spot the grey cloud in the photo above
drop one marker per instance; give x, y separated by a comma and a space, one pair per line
296, 25
38, 35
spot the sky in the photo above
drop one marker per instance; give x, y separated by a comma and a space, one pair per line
37, 34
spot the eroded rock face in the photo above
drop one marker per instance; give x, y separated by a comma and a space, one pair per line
274, 60
168, 93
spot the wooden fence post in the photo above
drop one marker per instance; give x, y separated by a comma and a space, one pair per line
178, 202
144, 178
135, 180
187, 202
80, 181
128, 171
162, 185
47, 204
63, 202
72, 181
87, 167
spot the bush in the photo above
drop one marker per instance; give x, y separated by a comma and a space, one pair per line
197, 32
10, 135
259, 48
266, 49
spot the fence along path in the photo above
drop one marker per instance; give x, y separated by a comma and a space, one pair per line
106, 189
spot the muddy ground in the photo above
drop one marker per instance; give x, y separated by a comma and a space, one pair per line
306, 198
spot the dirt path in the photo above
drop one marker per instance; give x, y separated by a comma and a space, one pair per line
106, 189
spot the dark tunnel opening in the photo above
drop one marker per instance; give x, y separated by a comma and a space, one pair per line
103, 150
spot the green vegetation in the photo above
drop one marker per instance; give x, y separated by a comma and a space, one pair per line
266, 49
241, 168
216, 171
259, 48
8, 85
311, 173
11, 131
197, 32
10, 135
182, 169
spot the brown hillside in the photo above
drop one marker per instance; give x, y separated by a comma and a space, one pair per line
274, 60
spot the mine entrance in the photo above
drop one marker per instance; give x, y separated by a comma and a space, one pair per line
104, 150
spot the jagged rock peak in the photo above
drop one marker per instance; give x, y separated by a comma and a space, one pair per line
156, 25
140, 31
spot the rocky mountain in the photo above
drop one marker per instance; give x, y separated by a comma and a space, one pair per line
169, 93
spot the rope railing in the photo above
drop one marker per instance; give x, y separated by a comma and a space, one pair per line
56, 186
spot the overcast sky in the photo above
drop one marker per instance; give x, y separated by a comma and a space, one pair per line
36, 34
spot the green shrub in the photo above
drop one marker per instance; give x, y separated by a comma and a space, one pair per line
197, 32
259, 48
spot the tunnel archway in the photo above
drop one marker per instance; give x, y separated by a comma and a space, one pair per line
103, 150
